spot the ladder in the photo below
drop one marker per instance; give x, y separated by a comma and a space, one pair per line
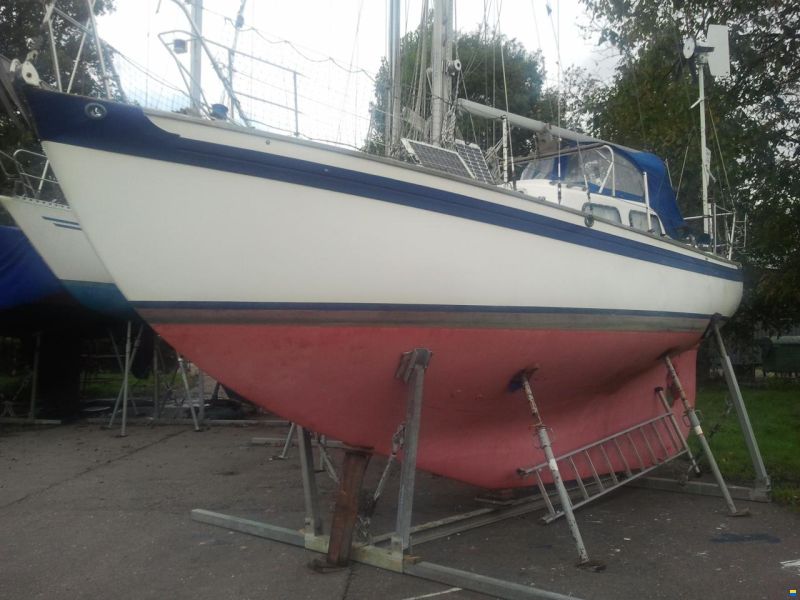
622, 457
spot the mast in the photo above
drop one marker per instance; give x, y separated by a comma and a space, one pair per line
392, 109
195, 65
704, 152
716, 54
441, 57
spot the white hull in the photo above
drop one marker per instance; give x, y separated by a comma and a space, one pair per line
54, 231
226, 237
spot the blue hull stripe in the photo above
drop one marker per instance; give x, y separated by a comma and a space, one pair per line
126, 129
62, 221
73, 227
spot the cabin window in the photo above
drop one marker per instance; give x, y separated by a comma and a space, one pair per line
607, 172
541, 168
604, 212
596, 164
638, 219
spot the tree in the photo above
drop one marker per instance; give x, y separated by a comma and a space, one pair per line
754, 121
22, 30
483, 56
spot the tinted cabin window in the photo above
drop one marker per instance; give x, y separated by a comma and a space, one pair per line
620, 178
604, 212
541, 168
638, 220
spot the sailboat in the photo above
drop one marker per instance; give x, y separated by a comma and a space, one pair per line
298, 273
55, 233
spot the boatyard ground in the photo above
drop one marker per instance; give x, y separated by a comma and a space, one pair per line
87, 514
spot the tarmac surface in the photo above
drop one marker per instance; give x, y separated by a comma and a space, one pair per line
87, 514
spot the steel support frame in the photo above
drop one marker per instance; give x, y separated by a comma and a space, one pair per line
396, 557
697, 429
762, 485
762, 488
125, 367
563, 495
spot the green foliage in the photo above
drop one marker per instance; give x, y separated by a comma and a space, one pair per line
21, 30
482, 57
775, 417
753, 122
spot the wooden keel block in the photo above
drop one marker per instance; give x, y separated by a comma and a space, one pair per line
345, 511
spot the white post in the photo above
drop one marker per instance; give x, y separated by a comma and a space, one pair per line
393, 98
437, 74
703, 149
441, 54
196, 54
123, 431
504, 122
647, 203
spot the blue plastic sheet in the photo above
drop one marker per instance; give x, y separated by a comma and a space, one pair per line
24, 276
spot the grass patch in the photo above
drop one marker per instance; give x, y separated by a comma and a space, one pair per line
774, 409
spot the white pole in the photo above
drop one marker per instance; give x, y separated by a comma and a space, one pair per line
195, 64
391, 118
124, 431
437, 68
703, 149
647, 203
504, 121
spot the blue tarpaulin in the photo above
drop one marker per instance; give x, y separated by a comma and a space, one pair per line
24, 276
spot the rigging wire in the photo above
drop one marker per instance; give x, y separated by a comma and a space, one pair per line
541, 50
349, 70
506, 126
420, 75
556, 34
721, 158
296, 47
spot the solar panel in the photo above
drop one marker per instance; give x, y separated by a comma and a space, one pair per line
472, 155
437, 158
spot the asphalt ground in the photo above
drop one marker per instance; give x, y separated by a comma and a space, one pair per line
87, 514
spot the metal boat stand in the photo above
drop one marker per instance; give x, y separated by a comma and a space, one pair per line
8, 416
186, 396
397, 556
558, 482
652, 444
125, 367
322, 443
187, 392
762, 486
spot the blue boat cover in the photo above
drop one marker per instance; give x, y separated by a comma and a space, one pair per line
24, 276
662, 196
